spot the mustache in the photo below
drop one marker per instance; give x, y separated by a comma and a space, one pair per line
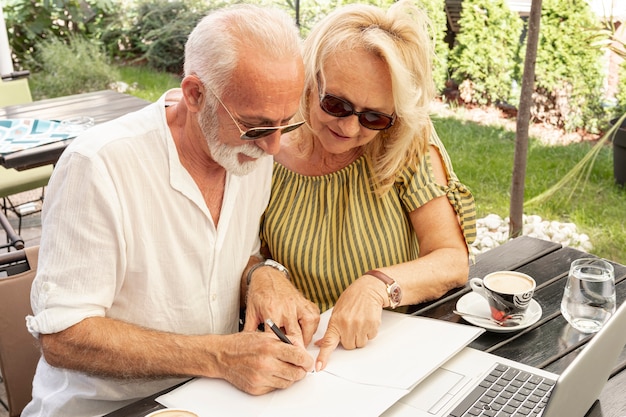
252, 151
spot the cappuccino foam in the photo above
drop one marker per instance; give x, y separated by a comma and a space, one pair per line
509, 283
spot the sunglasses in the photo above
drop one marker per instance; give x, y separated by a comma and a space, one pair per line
338, 107
258, 132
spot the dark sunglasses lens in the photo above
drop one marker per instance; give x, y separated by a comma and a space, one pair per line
290, 128
375, 121
336, 106
258, 133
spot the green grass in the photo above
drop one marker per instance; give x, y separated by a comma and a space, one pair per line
146, 83
483, 160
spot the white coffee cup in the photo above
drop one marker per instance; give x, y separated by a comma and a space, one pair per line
507, 292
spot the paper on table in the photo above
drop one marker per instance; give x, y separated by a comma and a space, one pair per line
363, 382
405, 351
319, 394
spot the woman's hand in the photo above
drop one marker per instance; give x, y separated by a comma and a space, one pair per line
355, 319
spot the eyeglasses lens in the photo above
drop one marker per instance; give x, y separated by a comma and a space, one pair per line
339, 107
261, 132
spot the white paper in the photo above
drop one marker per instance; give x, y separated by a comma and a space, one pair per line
363, 382
405, 351
319, 394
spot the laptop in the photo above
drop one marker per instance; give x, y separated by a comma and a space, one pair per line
459, 387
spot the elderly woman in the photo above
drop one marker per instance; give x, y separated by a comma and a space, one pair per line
366, 212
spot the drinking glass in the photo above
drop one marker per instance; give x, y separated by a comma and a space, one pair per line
77, 124
589, 296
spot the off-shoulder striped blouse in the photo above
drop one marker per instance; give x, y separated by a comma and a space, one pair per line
329, 230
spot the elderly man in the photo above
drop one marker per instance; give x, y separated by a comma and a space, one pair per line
151, 227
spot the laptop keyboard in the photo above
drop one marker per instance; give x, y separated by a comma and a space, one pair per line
506, 391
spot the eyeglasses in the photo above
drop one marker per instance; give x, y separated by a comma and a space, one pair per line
338, 107
258, 132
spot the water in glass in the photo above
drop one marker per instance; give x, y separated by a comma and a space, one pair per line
589, 297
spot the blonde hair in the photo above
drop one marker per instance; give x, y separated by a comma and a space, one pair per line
400, 37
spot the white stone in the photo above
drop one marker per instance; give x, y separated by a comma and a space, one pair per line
493, 231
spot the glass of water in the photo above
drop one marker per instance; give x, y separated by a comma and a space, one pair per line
589, 297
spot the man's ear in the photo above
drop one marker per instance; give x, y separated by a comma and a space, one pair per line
193, 91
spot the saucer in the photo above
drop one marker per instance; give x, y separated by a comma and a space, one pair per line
475, 304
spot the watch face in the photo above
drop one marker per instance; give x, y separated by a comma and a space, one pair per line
395, 294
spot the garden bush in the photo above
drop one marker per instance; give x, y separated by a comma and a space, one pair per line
30, 22
621, 92
568, 87
155, 32
485, 57
436, 12
78, 66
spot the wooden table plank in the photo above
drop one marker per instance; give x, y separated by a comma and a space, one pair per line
507, 257
510, 257
101, 105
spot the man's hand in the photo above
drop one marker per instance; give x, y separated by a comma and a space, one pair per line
271, 295
355, 319
258, 363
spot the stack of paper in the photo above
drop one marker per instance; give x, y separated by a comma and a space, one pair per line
362, 382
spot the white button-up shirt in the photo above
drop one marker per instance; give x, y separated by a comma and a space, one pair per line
126, 234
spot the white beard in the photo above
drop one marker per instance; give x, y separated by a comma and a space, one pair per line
225, 155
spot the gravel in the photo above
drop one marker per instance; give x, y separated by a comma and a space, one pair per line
493, 231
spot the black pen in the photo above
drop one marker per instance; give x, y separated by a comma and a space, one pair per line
277, 331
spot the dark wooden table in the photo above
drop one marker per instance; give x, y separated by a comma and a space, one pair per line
101, 105
550, 343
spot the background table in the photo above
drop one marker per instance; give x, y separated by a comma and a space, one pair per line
551, 343
101, 105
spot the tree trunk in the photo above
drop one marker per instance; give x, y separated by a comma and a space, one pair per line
523, 118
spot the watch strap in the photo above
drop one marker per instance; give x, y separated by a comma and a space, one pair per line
381, 276
390, 283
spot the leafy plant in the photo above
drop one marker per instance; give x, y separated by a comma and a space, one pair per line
435, 9
486, 53
30, 22
70, 68
156, 32
606, 37
568, 71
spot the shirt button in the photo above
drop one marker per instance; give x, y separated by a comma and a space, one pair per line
213, 297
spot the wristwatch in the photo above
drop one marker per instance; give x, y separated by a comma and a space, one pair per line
268, 262
393, 289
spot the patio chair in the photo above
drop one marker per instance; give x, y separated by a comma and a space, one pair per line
19, 351
14, 89
14, 182
13, 239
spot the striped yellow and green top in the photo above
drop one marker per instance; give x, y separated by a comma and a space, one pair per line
329, 230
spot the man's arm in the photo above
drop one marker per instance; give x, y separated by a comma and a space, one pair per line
254, 362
